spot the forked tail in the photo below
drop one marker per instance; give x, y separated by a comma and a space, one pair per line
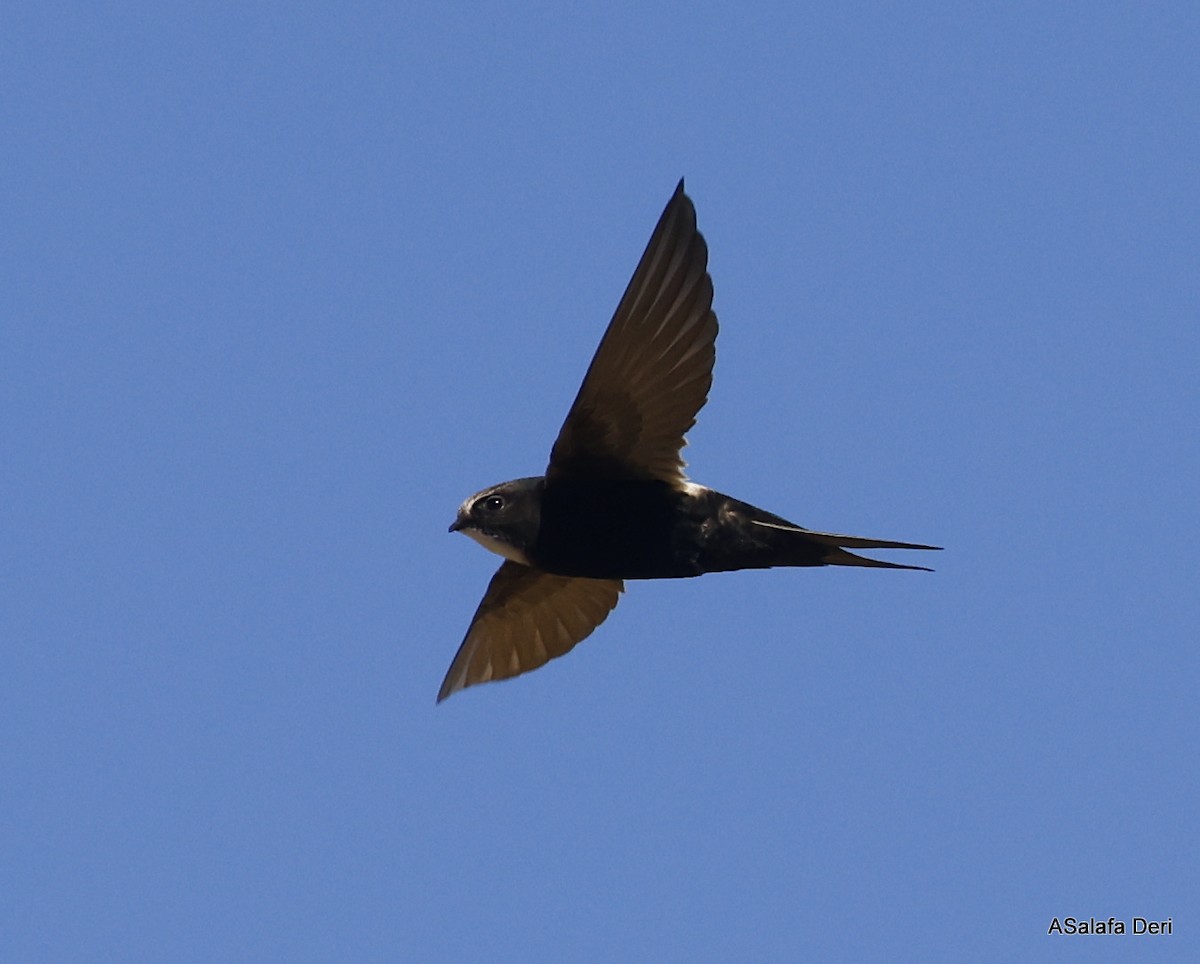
810, 548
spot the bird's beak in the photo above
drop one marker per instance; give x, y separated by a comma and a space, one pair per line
456, 525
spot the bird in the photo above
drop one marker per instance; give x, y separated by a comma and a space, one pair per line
614, 503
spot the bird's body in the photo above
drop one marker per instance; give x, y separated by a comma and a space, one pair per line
614, 503
650, 529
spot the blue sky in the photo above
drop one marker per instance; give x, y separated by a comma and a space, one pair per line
284, 283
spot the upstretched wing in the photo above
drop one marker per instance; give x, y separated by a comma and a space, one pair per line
527, 618
653, 369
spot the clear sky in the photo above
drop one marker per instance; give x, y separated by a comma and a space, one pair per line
283, 283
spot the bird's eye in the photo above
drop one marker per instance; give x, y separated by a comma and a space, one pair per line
493, 503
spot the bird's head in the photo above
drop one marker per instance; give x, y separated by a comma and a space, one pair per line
503, 518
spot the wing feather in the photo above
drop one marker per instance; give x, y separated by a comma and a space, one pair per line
653, 369
527, 618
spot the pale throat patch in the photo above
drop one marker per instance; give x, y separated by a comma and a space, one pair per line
492, 544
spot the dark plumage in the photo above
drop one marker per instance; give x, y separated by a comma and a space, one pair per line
614, 503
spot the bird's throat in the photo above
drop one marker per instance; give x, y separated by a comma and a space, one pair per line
494, 544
